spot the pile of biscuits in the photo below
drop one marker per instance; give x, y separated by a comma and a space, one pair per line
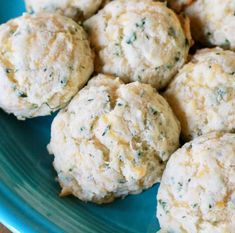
130, 81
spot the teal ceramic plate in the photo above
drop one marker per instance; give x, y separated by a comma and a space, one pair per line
29, 199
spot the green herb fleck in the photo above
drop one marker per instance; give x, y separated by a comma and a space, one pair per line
199, 132
17, 33
177, 57
169, 67
63, 81
70, 169
90, 177
22, 94
108, 99
186, 42
33, 106
31, 11
71, 68
121, 181
139, 78
106, 130
12, 31
91, 155
141, 23
226, 44
118, 51
171, 32
132, 38
142, 93
118, 54
9, 71
107, 166
139, 154
220, 93
163, 153
188, 146
195, 205
210, 206
89, 100
163, 204
180, 186
153, 111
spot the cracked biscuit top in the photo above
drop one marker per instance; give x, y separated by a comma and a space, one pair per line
44, 60
202, 95
213, 22
75, 9
197, 191
112, 139
139, 41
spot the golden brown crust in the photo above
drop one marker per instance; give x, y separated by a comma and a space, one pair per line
179, 5
185, 22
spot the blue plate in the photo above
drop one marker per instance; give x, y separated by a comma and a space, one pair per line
29, 199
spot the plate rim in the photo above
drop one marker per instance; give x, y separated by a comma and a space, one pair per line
20, 216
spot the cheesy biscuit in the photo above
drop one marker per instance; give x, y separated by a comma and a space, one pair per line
197, 191
202, 95
139, 41
112, 140
178, 5
44, 60
75, 9
213, 22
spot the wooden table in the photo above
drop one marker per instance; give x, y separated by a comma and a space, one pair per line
3, 229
